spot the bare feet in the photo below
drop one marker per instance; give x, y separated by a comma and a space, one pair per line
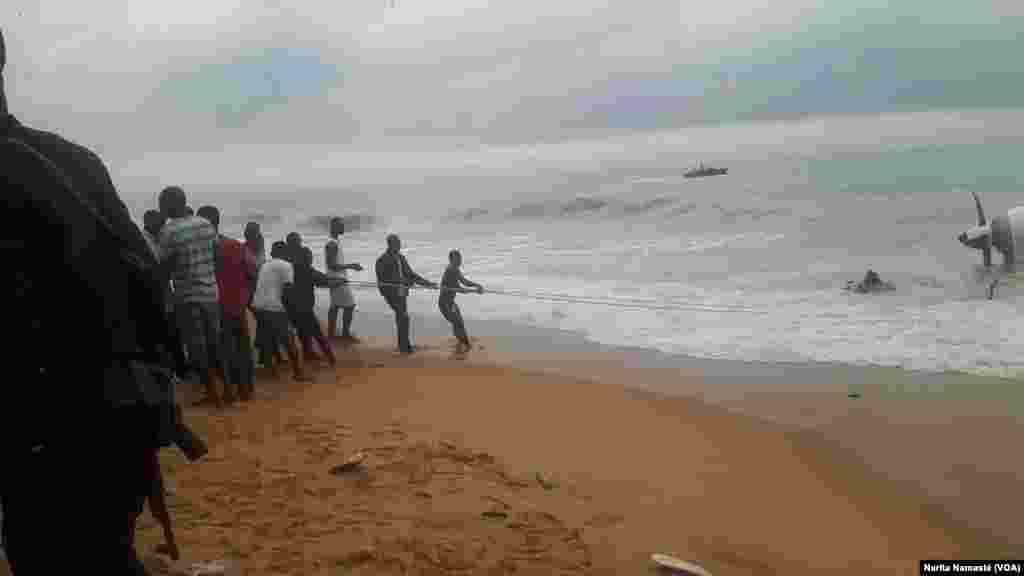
303, 377
208, 400
170, 550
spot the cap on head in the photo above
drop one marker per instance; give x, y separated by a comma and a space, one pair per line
278, 249
293, 239
394, 243
210, 213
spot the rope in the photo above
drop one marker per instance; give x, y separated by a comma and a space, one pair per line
633, 303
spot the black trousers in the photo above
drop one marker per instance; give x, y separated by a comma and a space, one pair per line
450, 311
236, 352
93, 484
397, 303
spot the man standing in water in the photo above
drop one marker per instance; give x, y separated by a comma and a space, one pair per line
394, 277
341, 296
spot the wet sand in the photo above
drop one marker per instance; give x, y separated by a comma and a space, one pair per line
475, 468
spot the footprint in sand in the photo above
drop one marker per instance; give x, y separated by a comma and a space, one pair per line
604, 520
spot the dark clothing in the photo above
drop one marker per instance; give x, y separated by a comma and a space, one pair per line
83, 242
398, 305
101, 503
307, 279
236, 350
73, 235
392, 268
273, 331
200, 324
450, 311
451, 283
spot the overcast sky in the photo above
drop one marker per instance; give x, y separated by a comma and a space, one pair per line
299, 80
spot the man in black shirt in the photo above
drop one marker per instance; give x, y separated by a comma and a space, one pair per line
394, 277
76, 433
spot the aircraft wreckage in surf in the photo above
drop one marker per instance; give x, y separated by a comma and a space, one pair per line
1005, 233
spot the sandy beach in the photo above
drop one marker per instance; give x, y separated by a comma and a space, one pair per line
573, 461
478, 468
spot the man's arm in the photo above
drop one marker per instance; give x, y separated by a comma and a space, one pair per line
463, 280
413, 276
321, 280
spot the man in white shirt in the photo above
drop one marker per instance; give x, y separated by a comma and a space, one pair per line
273, 285
341, 296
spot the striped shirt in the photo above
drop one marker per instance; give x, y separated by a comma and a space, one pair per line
191, 242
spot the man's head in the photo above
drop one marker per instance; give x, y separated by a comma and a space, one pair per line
172, 202
278, 250
252, 231
337, 226
189, 211
210, 214
294, 240
394, 243
455, 258
153, 221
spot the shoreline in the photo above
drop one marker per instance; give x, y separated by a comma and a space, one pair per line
934, 435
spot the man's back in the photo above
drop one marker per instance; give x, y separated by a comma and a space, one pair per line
390, 270
232, 278
190, 243
273, 276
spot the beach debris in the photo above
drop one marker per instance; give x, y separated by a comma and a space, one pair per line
545, 482
352, 464
215, 568
853, 395
494, 515
678, 566
160, 565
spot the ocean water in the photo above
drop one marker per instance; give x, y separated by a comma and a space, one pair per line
746, 266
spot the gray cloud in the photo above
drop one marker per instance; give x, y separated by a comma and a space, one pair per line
429, 75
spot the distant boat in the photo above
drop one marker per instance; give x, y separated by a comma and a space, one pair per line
703, 170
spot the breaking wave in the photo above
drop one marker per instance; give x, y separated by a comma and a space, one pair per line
321, 223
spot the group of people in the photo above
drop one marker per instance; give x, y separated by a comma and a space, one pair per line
79, 438
395, 277
212, 280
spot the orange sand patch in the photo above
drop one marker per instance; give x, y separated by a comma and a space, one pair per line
477, 470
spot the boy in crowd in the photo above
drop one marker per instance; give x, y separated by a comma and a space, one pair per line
273, 289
